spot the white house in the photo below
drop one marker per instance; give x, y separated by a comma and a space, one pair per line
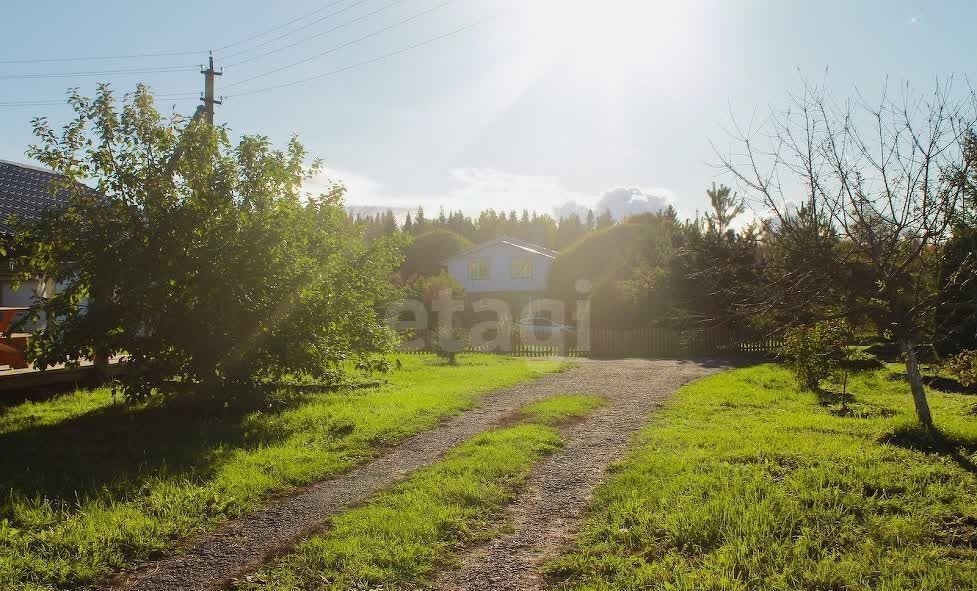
505, 268
25, 192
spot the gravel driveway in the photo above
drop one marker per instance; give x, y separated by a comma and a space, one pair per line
542, 517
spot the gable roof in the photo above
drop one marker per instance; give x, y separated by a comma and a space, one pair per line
512, 242
25, 192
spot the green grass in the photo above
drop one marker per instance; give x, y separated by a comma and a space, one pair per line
558, 409
402, 537
744, 482
89, 485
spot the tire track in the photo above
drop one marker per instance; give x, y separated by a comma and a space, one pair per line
545, 516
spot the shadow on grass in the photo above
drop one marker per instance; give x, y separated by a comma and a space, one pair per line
884, 351
12, 398
937, 382
109, 448
830, 398
863, 364
959, 531
947, 384
934, 441
859, 411
845, 405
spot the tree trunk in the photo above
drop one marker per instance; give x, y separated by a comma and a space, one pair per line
916, 384
101, 363
844, 389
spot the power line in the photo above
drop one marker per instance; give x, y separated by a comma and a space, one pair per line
326, 32
293, 31
31, 103
102, 57
161, 53
32, 76
345, 45
43, 103
385, 56
277, 27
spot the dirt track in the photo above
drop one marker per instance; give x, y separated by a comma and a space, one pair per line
543, 517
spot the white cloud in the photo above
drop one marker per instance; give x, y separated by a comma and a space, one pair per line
627, 201
475, 189
913, 20
622, 202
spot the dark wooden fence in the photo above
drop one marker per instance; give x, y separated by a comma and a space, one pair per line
635, 342
667, 342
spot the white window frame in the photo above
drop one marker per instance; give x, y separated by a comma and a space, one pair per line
528, 266
481, 263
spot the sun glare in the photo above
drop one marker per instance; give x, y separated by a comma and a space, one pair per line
616, 40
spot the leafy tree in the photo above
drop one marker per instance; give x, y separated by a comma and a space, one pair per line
569, 231
815, 353
624, 263
803, 239
427, 252
963, 366
883, 181
610, 253
198, 260
713, 265
956, 316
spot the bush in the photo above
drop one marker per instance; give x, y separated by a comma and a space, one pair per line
427, 253
963, 366
606, 255
815, 353
199, 260
447, 344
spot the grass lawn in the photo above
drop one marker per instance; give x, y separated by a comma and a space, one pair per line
556, 410
745, 482
89, 485
402, 537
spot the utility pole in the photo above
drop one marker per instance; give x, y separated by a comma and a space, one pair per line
208, 98
206, 110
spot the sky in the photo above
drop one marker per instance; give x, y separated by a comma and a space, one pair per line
549, 105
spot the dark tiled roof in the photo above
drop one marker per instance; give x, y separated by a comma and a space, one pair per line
25, 193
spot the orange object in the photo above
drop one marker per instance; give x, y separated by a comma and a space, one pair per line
7, 316
12, 348
12, 351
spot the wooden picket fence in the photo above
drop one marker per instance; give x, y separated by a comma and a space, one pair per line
667, 342
636, 342
517, 346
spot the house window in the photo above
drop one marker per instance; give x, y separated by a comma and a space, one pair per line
522, 268
478, 269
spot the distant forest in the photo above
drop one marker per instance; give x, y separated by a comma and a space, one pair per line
542, 229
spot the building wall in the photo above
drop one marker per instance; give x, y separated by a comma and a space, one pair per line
24, 295
500, 257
